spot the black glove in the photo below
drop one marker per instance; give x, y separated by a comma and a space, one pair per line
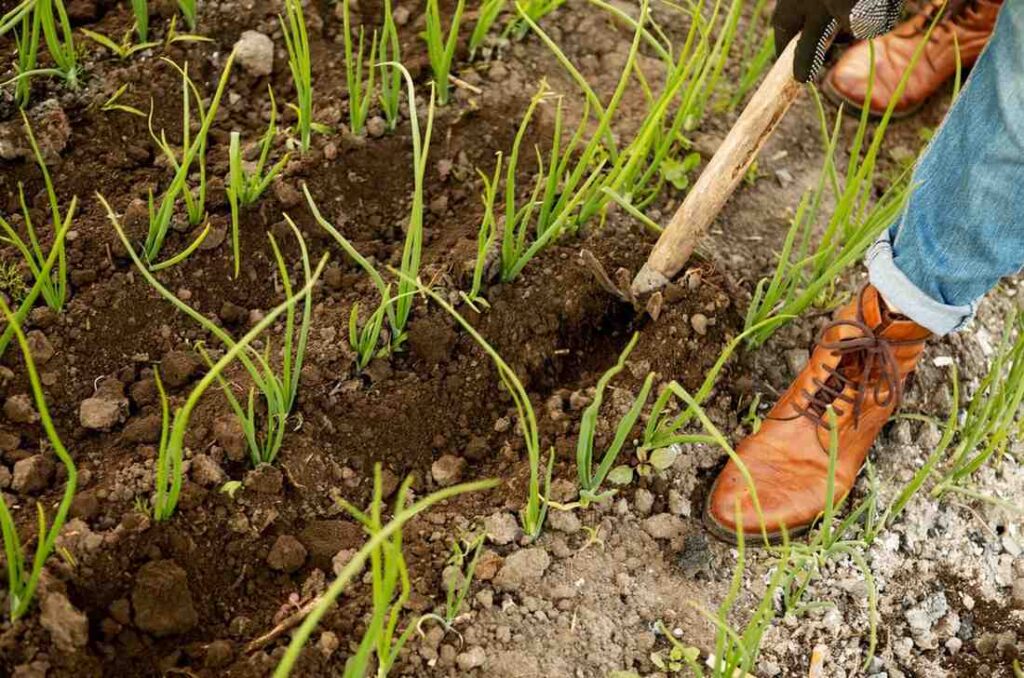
820, 20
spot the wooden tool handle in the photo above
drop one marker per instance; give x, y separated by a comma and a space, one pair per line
722, 175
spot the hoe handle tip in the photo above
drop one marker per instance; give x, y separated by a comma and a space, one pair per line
648, 280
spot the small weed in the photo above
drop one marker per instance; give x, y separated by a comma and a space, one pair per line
806, 276
192, 149
123, 49
993, 420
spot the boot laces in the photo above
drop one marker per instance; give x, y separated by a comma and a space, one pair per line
952, 11
867, 364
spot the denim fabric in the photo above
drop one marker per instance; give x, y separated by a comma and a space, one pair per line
963, 228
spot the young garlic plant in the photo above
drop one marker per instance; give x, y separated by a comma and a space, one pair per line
193, 149
263, 427
245, 184
300, 62
22, 578
52, 286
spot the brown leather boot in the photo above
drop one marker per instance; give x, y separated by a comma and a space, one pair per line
858, 367
972, 22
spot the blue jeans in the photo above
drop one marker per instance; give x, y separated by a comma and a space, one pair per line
963, 227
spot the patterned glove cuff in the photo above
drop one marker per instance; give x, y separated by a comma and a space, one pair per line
871, 18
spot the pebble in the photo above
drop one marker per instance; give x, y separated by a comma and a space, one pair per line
287, 554
564, 521
18, 409
233, 314
501, 527
526, 565
1017, 593
228, 433
376, 127
699, 322
664, 526
254, 52
328, 643
32, 474
497, 72
40, 347
264, 479
177, 368
472, 658
143, 429
206, 472
162, 600
287, 194
448, 470
643, 500
101, 412
68, 627
796, 358
678, 504
219, 654
488, 565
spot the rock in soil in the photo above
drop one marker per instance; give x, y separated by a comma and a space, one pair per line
162, 600
472, 658
100, 413
49, 125
40, 347
324, 538
19, 409
228, 433
448, 470
527, 565
178, 367
106, 409
502, 528
254, 52
264, 479
33, 474
287, 554
664, 526
206, 472
143, 429
68, 627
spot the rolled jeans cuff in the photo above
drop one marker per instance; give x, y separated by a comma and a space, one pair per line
897, 289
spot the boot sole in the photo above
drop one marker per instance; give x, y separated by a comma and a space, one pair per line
856, 109
753, 540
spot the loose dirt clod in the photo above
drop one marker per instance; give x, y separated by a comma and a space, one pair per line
521, 567
287, 554
68, 627
33, 474
254, 52
162, 599
19, 409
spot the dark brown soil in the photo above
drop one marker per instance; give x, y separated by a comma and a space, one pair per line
556, 326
